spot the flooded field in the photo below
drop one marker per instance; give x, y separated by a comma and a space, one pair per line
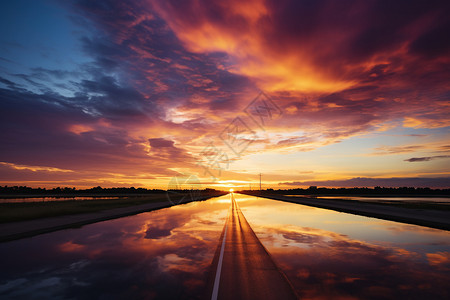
48, 199
332, 255
166, 254
441, 200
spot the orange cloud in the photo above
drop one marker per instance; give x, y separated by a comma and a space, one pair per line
80, 128
242, 33
181, 71
421, 122
34, 168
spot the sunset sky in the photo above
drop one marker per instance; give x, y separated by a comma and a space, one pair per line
133, 93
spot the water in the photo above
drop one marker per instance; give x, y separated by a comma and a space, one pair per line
164, 254
52, 198
441, 200
332, 255
167, 254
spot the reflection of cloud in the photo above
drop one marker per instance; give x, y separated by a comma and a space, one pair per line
303, 238
123, 263
333, 266
440, 259
12, 284
400, 228
70, 247
171, 262
156, 233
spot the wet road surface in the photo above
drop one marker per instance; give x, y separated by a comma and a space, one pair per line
243, 269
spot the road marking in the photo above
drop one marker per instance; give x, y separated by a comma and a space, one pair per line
215, 293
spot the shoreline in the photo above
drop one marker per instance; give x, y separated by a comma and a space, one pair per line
76, 195
24, 229
423, 217
10, 231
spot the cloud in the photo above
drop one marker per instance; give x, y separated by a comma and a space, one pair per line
299, 45
354, 78
81, 134
438, 182
388, 150
33, 168
160, 143
426, 158
154, 71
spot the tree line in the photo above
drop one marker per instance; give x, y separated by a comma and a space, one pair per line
25, 190
314, 190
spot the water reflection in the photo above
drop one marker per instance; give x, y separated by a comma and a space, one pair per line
166, 254
156, 255
412, 199
331, 255
393, 199
56, 198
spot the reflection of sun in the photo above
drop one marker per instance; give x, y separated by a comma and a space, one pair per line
231, 190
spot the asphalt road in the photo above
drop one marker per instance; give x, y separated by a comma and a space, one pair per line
242, 267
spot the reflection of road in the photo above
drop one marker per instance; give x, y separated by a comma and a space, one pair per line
243, 267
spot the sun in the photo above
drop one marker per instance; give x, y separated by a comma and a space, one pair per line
231, 190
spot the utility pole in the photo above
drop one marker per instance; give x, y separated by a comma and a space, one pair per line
260, 181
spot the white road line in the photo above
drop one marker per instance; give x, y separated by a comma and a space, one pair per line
215, 292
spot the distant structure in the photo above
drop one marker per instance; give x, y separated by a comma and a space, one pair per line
260, 181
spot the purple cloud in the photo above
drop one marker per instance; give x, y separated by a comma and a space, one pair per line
426, 158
